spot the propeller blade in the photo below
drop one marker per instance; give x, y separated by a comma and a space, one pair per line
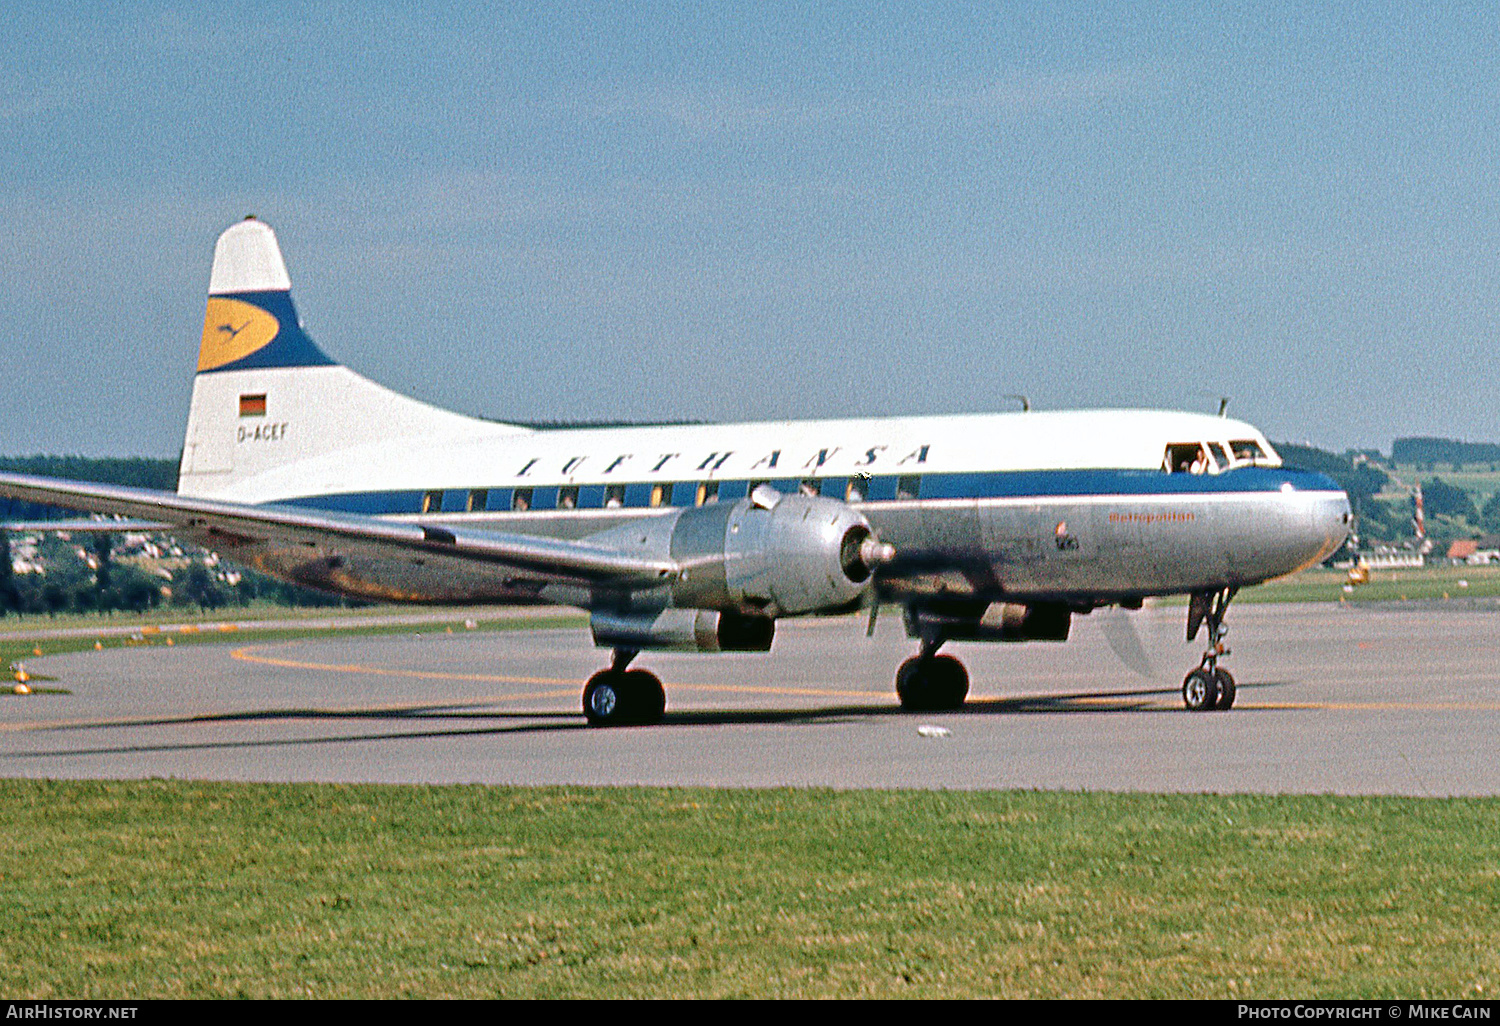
1123, 640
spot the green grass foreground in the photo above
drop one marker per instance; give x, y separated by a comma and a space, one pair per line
180, 889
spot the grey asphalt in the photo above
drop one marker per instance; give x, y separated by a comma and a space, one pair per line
1348, 700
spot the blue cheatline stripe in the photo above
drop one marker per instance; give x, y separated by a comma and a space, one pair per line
1023, 484
290, 348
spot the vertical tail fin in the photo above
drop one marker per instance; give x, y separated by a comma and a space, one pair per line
268, 404
250, 320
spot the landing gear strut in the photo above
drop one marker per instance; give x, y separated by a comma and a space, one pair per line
929, 682
1209, 686
620, 697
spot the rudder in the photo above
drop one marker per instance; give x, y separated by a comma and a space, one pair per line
250, 320
269, 407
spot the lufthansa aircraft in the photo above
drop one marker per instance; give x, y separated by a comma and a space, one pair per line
983, 528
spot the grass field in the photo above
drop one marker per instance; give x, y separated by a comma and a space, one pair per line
170, 889
1434, 583
1481, 480
182, 889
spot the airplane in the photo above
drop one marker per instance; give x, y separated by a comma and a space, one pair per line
700, 537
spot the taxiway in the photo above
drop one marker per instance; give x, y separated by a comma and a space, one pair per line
1338, 699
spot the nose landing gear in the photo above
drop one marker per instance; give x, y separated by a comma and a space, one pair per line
1209, 686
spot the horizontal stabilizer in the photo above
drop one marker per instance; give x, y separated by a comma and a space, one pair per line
90, 525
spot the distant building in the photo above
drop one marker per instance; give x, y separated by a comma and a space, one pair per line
1389, 559
1462, 549
1475, 551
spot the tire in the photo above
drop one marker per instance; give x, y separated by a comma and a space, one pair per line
909, 685
646, 698
1200, 692
633, 698
933, 684
1227, 689
950, 683
604, 702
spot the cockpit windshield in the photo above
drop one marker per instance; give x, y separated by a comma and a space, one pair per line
1248, 450
1214, 457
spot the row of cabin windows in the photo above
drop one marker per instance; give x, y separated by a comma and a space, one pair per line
675, 493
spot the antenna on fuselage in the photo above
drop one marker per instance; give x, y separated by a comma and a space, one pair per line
1223, 404
1025, 402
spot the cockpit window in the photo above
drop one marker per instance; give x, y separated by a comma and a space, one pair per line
1185, 458
1248, 451
1195, 458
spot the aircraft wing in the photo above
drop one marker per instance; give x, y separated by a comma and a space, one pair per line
234, 523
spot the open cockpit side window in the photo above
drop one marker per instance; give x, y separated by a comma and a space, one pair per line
1185, 458
1195, 458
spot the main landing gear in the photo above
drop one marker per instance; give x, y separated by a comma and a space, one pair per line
1209, 686
618, 697
929, 682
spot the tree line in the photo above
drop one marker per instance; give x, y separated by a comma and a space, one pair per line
1429, 452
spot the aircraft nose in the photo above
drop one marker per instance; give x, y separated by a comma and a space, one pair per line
1332, 519
1320, 511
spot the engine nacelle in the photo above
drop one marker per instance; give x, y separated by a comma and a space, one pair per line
685, 630
768, 555
1000, 621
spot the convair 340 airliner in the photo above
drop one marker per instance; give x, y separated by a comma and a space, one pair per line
983, 528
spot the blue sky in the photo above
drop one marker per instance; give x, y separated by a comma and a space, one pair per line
743, 211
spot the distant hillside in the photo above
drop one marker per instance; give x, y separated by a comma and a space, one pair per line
1443, 450
1359, 478
135, 471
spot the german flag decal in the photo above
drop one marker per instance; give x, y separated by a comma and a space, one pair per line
253, 405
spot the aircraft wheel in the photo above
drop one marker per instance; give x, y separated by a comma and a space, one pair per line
932, 684
648, 699
1200, 691
1227, 690
613, 699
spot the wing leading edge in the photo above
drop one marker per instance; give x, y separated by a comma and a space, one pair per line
214, 522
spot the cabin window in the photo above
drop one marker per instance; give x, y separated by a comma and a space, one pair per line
908, 487
614, 496
567, 498
661, 495
1248, 450
708, 491
811, 486
479, 500
859, 488
432, 502
520, 500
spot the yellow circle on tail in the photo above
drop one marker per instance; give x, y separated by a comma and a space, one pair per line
232, 330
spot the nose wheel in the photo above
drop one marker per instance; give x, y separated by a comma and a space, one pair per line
1209, 686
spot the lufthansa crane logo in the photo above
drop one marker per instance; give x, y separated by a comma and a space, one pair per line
232, 330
